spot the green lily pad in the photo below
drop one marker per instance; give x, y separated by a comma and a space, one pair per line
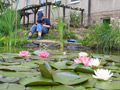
8, 64
30, 64
112, 67
114, 58
97, 56
19, 74
9, 79
68, 78
92, 89
62, 88
39, 88
80, 88
45, 72
59, 65
16, 68
3, 86
84, 69
15, 86
108, 85
34, 81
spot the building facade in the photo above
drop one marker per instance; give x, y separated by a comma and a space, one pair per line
95, 11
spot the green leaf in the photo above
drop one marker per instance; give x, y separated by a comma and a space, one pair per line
92, 89
15, 86
8, 64
108, 85
59, 65
19, 74
80, 88
3, 86
39, 88
68, 78
9, 79
62, 88
84, 69
45, 72
33, 81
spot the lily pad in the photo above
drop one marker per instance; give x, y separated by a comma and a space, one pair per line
97, 56
84, 69
45, 72
16, 68
112, 67
108, 85
34, 81
9, 79
80, 88
15, 86
68, 78
62, 88
3, 86
59, 65
20, 74
39, 88
8, 64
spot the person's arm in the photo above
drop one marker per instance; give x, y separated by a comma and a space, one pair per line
47, 26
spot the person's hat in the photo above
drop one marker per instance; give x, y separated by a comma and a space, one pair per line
40, 15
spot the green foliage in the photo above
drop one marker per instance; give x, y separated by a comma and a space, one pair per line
69, 35
105, 37
74, 19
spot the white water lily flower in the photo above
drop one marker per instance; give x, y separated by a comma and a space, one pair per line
83, 54
102, 74
94, 63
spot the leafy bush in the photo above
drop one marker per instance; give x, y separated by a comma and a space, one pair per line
105, 37
74, 19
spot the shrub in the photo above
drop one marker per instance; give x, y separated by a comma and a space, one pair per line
105, 37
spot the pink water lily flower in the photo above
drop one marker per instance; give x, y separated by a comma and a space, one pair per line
43, 54
77, 60
23, 53
86, 61
83, 54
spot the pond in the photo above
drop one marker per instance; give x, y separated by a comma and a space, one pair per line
56, 72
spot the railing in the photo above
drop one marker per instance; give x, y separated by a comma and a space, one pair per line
35, 9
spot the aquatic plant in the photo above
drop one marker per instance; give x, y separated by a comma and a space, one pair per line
43, 54
23, 53
94, 63
83, 54
102, 74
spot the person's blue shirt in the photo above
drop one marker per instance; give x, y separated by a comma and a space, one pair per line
44, 21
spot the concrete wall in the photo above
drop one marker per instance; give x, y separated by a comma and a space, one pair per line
100, 9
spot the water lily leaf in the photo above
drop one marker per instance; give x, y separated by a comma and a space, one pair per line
3, 86
30, 64
16, 68
114, 58
39, 88
96, 56
80, 88
92, 89
68, 78
34, 81
20, 74
8, 63
84, 69
112, 67
62, 88
108, 85
85, 75
9, 79
33, 57
59, 65
15, 86
90, 83
45, 72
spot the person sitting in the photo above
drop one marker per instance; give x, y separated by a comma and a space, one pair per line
42, 26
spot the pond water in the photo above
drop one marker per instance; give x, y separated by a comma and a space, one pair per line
56, 72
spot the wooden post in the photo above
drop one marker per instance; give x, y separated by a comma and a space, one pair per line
24, 18
27, 20
46, 9
49, 12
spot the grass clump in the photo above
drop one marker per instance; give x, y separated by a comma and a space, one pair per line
105, 37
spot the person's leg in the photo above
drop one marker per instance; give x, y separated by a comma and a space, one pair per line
41, 30
32, 30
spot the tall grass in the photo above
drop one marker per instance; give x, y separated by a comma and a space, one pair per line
7, 23
105, 37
